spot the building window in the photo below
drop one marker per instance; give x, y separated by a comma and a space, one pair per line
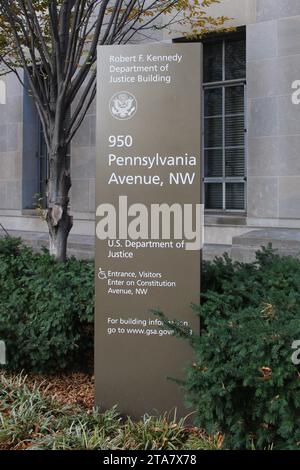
224, 76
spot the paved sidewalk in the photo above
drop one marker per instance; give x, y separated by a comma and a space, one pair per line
83, 246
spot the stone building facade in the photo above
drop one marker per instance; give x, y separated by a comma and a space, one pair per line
251, 140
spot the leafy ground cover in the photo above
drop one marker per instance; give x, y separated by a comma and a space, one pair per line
39, 414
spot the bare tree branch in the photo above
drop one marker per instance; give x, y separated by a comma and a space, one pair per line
55, 42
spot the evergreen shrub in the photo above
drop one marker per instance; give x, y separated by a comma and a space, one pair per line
243, 382
46, 309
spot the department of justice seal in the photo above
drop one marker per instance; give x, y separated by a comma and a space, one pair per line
123, 105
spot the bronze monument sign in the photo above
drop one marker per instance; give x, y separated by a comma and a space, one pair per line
148, 222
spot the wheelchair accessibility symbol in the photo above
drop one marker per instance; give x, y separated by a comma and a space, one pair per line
102, 274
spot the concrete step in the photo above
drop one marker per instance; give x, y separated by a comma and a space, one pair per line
285, 241
83, 246
210, 251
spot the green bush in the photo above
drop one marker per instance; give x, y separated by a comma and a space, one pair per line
46, 309
243, 382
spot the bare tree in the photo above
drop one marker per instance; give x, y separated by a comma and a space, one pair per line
55, 43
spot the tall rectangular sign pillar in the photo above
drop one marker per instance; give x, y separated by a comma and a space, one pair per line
148, 174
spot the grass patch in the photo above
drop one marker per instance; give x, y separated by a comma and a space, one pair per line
31, 419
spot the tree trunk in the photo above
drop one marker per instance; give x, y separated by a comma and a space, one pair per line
58, 218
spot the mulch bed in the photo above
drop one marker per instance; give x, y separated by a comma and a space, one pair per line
69, 389
72, 389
